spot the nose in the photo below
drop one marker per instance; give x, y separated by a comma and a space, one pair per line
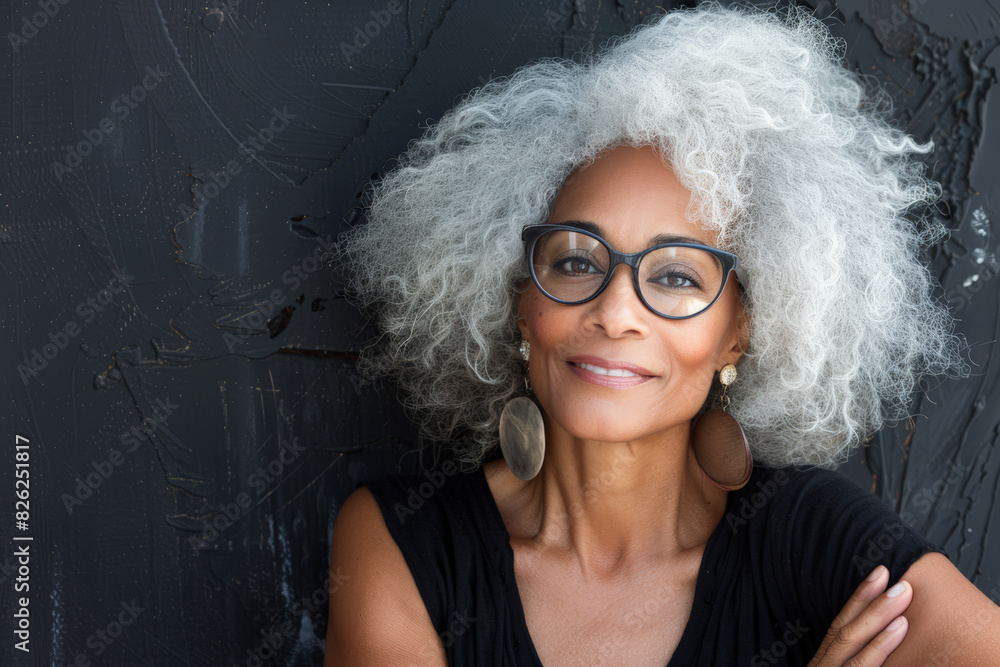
618, 310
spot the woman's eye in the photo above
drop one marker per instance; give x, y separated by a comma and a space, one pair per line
675, 280
575, 265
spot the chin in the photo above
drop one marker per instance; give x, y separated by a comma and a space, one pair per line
608, 422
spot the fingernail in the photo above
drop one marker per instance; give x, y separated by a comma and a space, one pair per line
895, 590
876, 573
895, 625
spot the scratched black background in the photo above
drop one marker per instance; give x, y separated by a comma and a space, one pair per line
223, 348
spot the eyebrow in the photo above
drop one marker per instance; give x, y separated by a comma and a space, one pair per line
656, 240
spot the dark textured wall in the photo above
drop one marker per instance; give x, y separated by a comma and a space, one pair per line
179, 357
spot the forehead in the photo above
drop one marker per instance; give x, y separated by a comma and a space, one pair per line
632, 196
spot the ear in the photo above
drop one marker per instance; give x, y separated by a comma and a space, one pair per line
522, 288
739, 338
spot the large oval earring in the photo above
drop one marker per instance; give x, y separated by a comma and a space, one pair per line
522, 431
720, 447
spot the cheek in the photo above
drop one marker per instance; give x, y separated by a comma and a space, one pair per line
552, 328
692, 361
692, 348
534, 311
555, 331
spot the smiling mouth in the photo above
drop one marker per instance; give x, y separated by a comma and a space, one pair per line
612, 372
614, 375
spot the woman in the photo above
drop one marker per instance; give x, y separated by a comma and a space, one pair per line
758, 200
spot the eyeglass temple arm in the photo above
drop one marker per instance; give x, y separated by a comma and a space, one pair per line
741, 275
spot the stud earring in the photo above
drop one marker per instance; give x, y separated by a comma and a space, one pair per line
720, 447
522, 431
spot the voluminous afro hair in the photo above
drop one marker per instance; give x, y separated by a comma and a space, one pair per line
798, 167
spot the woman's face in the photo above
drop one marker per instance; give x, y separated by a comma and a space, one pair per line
632, 197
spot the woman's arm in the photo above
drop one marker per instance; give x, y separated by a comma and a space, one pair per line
951, 621
377, 616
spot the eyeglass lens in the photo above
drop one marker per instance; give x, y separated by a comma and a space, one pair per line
674, 281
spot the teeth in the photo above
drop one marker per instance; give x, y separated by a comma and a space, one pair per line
613, 372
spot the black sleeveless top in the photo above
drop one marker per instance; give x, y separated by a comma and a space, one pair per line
790, 550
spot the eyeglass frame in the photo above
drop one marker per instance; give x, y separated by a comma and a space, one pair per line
730, 264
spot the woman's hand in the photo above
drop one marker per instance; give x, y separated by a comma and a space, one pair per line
869, 627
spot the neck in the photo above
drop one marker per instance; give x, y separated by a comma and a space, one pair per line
614, 504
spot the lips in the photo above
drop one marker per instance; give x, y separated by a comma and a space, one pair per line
613, 372
606, 365
606, 373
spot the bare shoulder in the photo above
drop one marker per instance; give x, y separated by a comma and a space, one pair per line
951, 622
377, 616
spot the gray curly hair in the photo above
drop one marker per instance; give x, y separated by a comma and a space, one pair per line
802, 173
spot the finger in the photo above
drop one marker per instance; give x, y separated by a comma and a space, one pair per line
887, 641
866, 591
853, 637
